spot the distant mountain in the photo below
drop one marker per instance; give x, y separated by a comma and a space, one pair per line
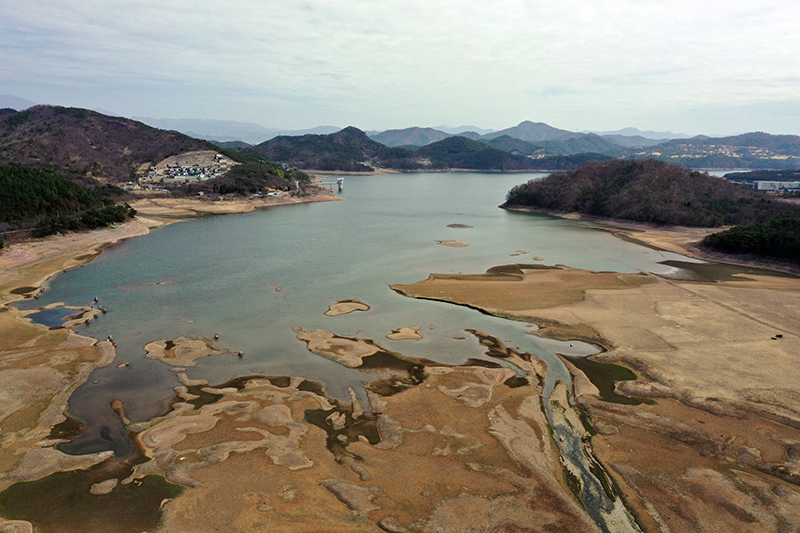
213, 130
534, 132
86, 142
648, 134
576, 145
409, 136
583, 144
515, 146
633, 141
14, 102
227, 130
459, 130
461, 153
764, 175
352, 150
349, 150
785, 145
232, 145
474, 135
756, 150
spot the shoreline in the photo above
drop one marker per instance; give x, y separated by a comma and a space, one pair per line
714, 363
683, 240
49, 380
464, 405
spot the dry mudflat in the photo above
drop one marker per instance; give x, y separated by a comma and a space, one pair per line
718, 446
441, 448
39, 367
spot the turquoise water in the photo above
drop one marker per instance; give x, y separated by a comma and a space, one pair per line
250, 278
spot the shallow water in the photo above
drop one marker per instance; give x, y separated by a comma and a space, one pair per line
250, 278
55, 317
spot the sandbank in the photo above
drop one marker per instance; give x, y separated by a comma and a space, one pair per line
718, 357
345, 307
170, 209
409, 333
182, 351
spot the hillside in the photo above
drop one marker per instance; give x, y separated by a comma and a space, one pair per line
347, 150
36, 197
645, 191
752, 150
409, 136
778, 237
534, 132
27, 194
253, 177
584, 144
86, 142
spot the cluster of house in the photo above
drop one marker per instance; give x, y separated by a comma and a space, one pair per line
189, 167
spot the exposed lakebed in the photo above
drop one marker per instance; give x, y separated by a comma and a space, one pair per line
253, 279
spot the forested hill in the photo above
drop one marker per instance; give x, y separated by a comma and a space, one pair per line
352, 150
349, 149
36, 197
410, 136
86, 142
465, 154
645, 191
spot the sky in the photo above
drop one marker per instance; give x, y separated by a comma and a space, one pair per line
687, 66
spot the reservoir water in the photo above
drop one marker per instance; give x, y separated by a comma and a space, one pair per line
251, 278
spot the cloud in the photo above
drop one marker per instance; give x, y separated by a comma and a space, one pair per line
395, 63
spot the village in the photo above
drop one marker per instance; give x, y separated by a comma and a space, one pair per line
185, 168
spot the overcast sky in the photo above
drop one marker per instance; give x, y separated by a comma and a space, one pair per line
699, 66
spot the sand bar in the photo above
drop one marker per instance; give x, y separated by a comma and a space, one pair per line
345, 307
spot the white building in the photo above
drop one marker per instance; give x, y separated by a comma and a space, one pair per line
776, 185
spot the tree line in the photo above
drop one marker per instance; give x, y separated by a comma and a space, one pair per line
49, 202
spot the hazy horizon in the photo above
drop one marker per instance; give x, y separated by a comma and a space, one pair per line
714, 68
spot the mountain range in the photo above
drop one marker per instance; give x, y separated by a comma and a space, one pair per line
93, 144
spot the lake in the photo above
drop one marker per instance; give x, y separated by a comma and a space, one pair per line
251, 278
